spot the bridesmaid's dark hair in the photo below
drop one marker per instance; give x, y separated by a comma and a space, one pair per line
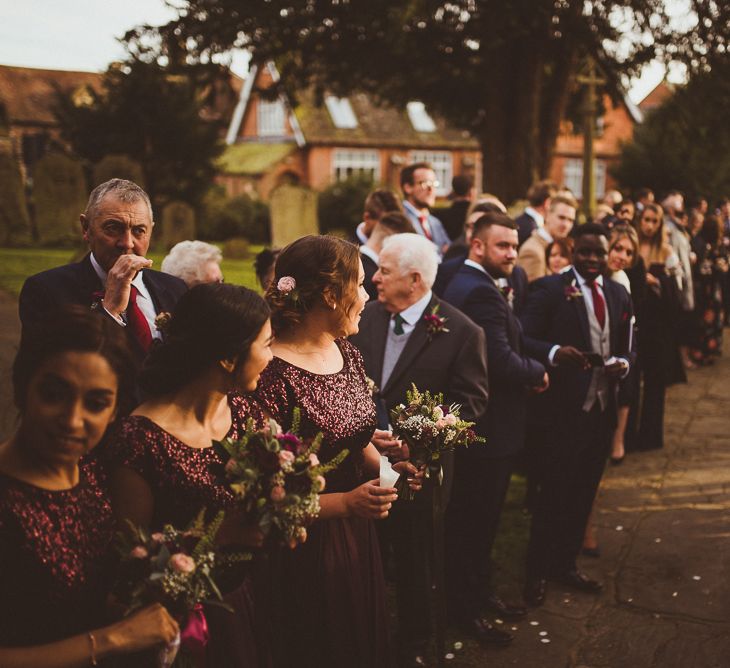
211, 322
319, 265
72, 328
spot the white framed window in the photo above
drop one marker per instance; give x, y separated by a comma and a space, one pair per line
341, 112
443, 166
573, 176
270, 115
420, 120
354, 162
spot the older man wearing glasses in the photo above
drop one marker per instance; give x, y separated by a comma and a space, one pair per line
418, 183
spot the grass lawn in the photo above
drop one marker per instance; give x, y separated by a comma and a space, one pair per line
16, 264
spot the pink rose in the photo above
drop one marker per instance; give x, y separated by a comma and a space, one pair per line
139, 552
230, 466
440, 424
302, 535
182, 563
320, 481
158, 537
286, 284
313, 460
450, 419
286, 457
278, 493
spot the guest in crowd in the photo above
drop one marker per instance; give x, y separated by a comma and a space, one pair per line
115, 276
558, 255
164, 469
558, 224
418, 183
644, 196
393, 222
660, 364
195, 262
533, 217
377, 204
567, 315
483, 475
56, 522
462, 195
399, 350
263, 266
333, 609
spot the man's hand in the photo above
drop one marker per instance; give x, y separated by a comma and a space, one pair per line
387, 445
569, 356
616, 369
539, 389
119, 280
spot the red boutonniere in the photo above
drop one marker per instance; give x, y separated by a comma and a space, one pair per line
572, 292
508, 293
96, 299
435, 324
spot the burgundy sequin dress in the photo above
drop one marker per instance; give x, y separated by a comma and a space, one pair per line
330, 605
183, 480
55, 558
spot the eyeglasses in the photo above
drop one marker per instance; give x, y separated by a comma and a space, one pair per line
428, 184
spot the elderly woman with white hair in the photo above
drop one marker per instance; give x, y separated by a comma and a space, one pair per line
195, 262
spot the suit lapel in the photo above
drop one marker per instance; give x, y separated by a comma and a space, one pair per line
90, 282
377, 334
417, 341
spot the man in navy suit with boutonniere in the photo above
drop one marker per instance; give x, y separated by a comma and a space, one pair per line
579, 324
480, 289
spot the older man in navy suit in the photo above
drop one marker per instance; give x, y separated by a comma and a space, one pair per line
482, 475
579, 324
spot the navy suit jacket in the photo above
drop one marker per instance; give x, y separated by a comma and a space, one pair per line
76, 283
511, 371
552, 318
526, 225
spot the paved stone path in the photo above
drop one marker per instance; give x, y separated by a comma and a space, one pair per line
664, 529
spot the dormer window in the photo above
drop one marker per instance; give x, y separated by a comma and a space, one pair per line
420, 120
341, 112
270, 117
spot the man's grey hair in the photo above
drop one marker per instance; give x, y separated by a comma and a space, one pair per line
415, 254
189, 259
123, 190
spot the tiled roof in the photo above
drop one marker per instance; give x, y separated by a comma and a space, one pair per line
251, 158
379, 126
29, 93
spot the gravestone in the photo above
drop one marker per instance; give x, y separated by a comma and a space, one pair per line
14, 220
178, 224
293, 214
59, 195
118, 166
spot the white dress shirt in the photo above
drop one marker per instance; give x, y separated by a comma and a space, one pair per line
412, 314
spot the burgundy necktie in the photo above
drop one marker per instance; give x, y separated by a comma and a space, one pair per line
137, 322
599, 306
423, 219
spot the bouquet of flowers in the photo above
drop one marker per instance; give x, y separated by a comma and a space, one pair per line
277, 478
173, 568
429, 427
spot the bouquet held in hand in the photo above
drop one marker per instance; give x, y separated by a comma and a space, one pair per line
429, 427
277, 478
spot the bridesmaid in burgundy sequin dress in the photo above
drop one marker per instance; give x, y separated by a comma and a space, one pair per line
330, 611
164, 470
56, 523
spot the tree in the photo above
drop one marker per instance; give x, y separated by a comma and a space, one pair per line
152, 116
685, 143
502, 70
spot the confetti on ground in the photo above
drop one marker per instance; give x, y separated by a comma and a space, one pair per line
449, 656
545, 640
533, 623
657, 540
514, 628
630, 600
498, 621
619, 528
566, 600
543, 633
458, 645
675, 594
696, 577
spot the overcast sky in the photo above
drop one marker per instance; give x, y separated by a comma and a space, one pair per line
82, 35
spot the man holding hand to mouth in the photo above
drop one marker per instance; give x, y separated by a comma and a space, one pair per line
578, 324
115, 276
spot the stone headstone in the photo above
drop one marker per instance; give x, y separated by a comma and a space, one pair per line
118, 166
59, 194
14, 220
293, 214
178, 224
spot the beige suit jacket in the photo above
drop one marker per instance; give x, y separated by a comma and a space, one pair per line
532, 257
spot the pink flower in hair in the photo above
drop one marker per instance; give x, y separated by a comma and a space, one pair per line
286, 284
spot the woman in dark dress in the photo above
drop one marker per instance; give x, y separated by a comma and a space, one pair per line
163, 468
331, 611
56, 523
